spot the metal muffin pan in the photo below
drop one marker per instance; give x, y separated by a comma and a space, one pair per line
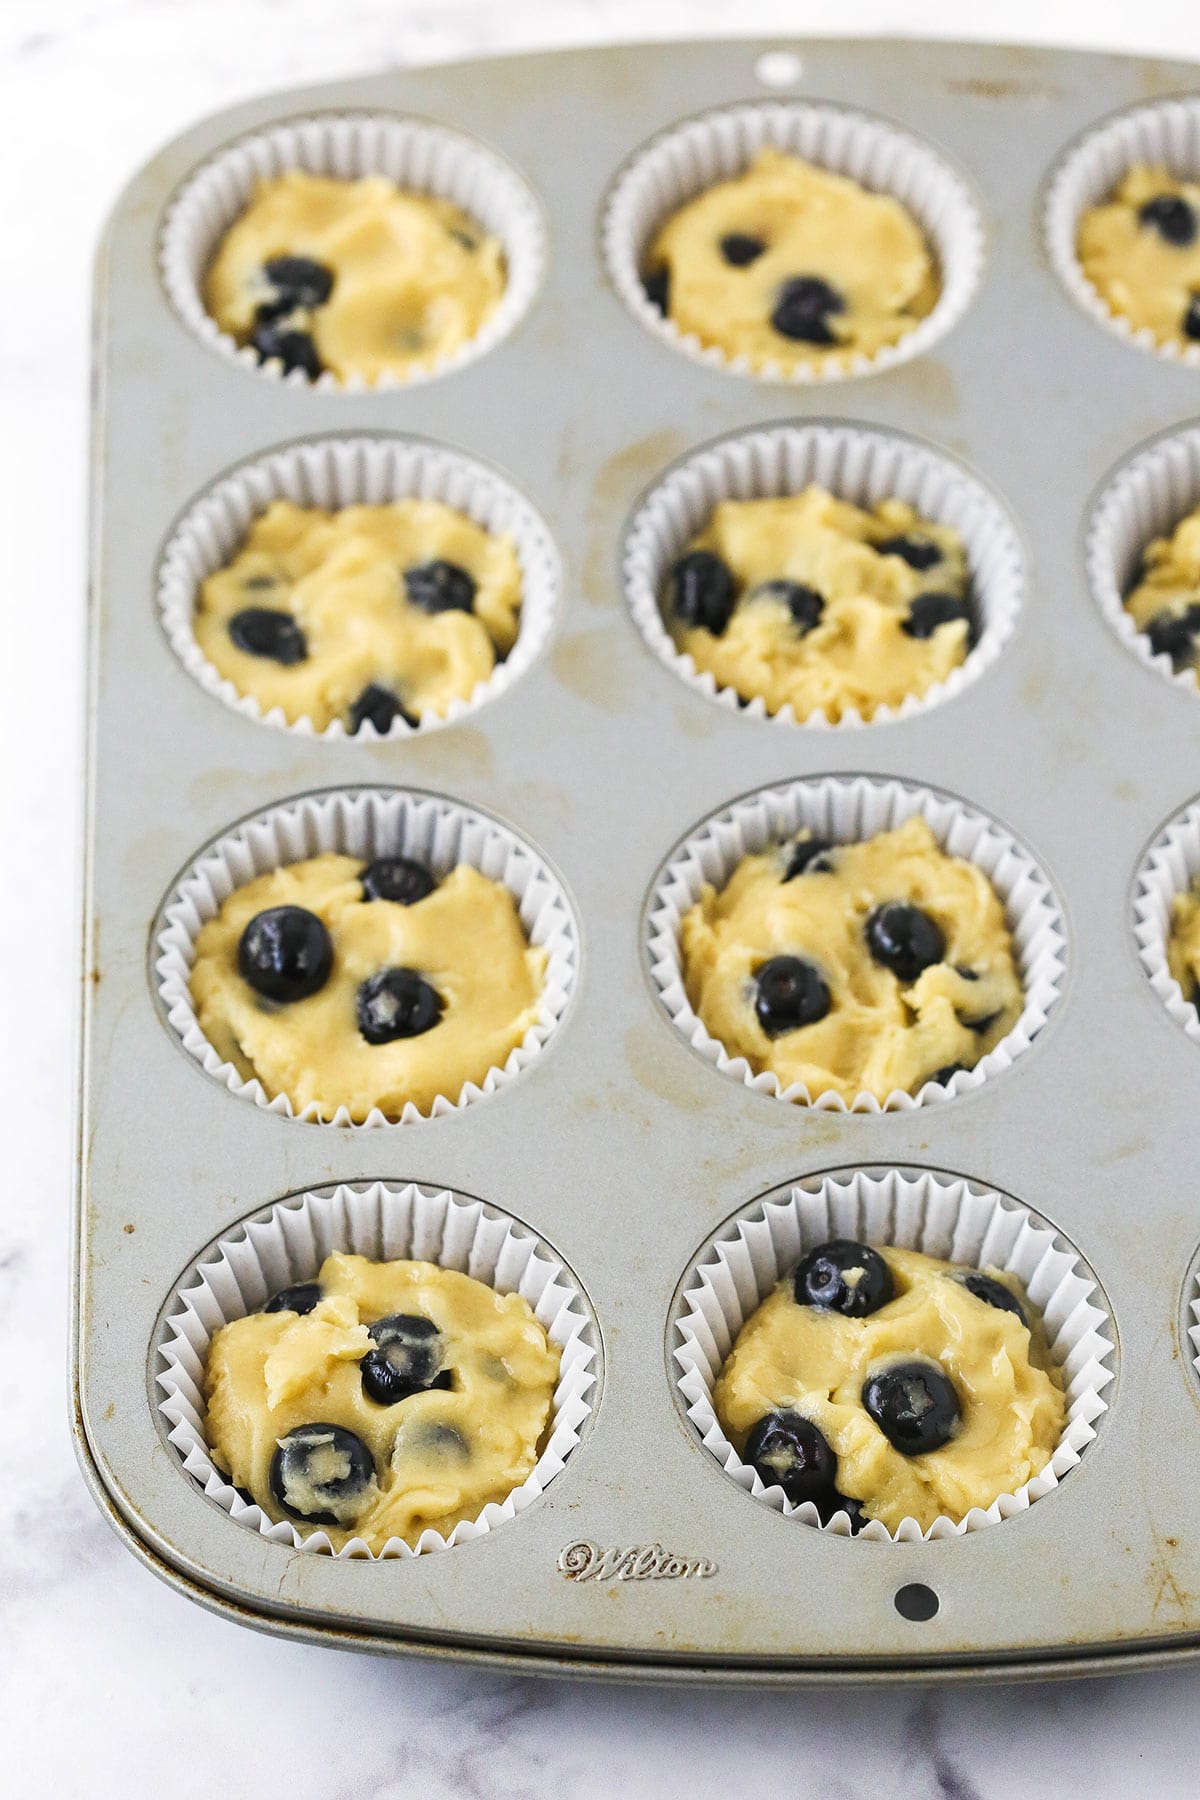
619, 1147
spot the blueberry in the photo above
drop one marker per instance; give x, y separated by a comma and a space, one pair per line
298, 281
703, 591
904, 939
378, 706
285, 954
802, 309
789, 993
919, 553
1191, 318
809, 857
264, 631
945, 1075
317, 1469
397, 1003
280, 342
1172, 218
1174, 635
739, 248
299, 1299
407, 1359
992, 1292
914, 1405
396, 878
436, 587
845, 1277
790, 1452
928, 611
657, 287
804, 603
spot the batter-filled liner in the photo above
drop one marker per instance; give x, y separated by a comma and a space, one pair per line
951, 1219
1170, 868
384, 1222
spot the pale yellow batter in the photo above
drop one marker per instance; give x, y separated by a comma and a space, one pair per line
1141, 252
340, 577
413, 277
785, 220
441, 1454
815, 1362
1165, 599
869, 646
1183, 945
465, 939
880, 1033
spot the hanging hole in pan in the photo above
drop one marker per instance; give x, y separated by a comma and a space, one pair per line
779, 69
915, 1601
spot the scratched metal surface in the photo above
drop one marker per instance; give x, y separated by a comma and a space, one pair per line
620, 1146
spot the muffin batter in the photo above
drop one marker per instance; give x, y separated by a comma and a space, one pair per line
1007, 1411
449, 1406
359, 277
863, 968
1164, 601
1141, 252
809, 602
1183, 945
365, 613
792, 266
339, 999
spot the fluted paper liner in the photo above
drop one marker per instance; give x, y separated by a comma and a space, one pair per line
847, 809
952, 1219
427, 159
1146, 498
366, 823
1166, 133
859, 465
333, 473
1170, 866
385, 1222
697, 154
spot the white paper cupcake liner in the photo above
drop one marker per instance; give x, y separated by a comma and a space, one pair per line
688, 158
334, 473
1169, 868
1145, 498
858, 465
952, 1219
846, 809
425, 158
1194, 1313
366, 823
1167, 133
386, 1222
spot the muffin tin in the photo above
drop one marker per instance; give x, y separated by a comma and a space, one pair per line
626, 1155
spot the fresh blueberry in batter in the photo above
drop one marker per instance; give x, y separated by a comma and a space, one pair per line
657, 286
396, 878
378, 706
318, 1467
298, 281
790, 1452
277, 341
406, 1359
1174, 635
803, 307
397, 1003
809, 857
1191, 318
285, 953
904, 939
436, 587
739, 248
915, 1406
703, 591
992, 1292
299, 1299
944, 1076
845, 1277
789, 993
804, 603
1172, 218
264, 631
928, 611
918, 553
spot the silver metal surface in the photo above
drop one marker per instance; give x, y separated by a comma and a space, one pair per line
620, 1146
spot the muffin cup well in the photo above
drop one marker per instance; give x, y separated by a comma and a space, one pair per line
848, 808
952, 1219
1144, 499
332, 473
426, 158
1167, 132
1169, 868
367, 823
690, 157
857, 464
386, 1222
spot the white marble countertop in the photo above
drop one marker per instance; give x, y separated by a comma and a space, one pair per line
111, 1684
